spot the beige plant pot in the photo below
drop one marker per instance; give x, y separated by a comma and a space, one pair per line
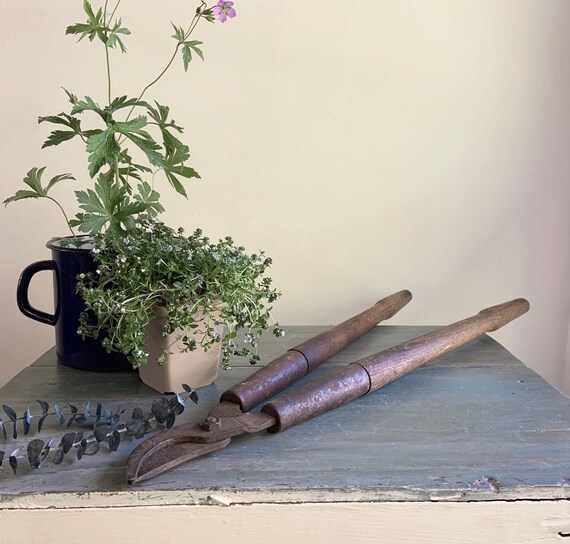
196, 368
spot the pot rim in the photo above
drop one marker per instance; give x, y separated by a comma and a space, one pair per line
52, 243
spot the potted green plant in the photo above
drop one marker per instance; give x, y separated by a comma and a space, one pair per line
157, 295
216, 292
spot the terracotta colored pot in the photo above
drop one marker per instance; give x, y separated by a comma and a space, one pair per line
196, 368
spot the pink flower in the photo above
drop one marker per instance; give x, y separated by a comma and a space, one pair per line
224, 10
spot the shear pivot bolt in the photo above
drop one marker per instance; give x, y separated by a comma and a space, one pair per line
210, 423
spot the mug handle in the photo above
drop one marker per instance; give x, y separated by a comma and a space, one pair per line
22, 292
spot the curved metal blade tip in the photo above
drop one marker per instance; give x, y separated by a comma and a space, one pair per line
149, 460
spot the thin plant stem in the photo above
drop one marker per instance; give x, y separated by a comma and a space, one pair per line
107, 60
191, 28
63, 212
106, 24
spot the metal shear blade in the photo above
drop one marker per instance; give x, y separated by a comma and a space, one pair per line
180, 444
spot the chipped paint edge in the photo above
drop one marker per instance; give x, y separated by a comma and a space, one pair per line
228, 497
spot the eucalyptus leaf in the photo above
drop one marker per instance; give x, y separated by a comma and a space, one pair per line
114, 440
134, 426
98, 414
13, 417
10, 412
59, 414
67, 441
170, 419
177, 405
44, 406
160, 409
14, 462
41, 422
26, 421
58, 456
138, 413
45, 452
150, 424
101, 432
91, 446
34, 449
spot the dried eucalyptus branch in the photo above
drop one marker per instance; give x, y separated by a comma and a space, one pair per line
107, 428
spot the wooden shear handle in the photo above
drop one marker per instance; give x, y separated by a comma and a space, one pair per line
300, 360
368, 374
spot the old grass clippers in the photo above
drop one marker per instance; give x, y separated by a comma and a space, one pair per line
231, 417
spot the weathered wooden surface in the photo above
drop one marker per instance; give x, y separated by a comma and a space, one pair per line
446, 432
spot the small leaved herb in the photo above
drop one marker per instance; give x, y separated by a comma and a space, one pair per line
209, 290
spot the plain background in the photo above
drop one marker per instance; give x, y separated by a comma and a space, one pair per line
366, 146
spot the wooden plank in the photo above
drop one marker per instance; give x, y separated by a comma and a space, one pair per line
446, 432
398, 523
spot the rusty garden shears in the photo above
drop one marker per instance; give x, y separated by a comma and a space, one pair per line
231, 417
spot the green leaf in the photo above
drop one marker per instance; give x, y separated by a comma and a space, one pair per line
184, 171
85, 29
113, 38
103, 149
33, 180
150, 198
142, 139
88, 9
179, 33
174, 166
193, 44
175, 182
57, 179
124, 102
62, 119
160, 116
187, 48
134, 125
87, 105
107, 204
92, 28
59, 136
21, 195
71, 97
149, 147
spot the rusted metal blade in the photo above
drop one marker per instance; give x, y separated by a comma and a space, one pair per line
148, 463
178, 445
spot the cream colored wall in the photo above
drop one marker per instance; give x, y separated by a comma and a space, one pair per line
366, 146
